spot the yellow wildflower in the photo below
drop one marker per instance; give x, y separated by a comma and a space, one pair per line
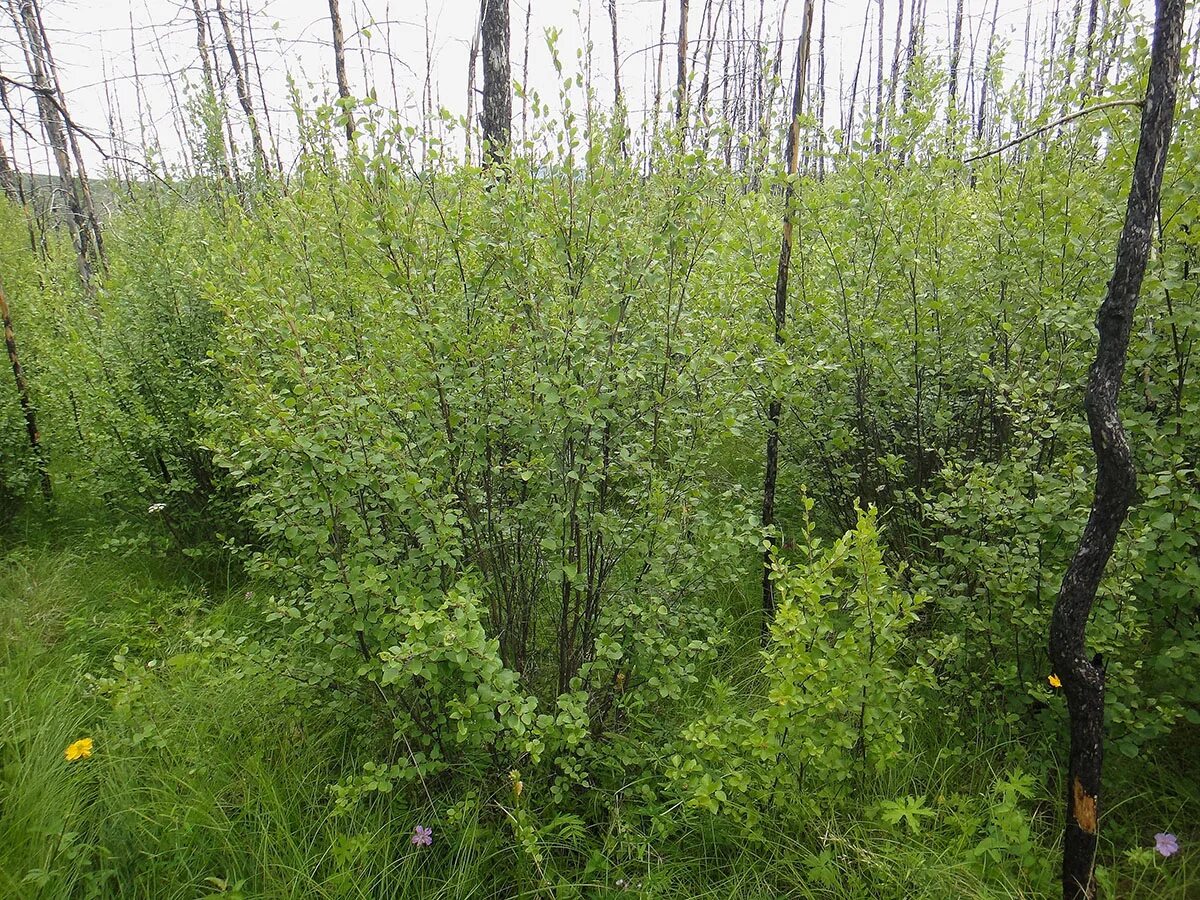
1055, 681
81, 749
517, 784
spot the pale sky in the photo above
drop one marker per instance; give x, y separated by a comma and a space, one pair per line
95, 41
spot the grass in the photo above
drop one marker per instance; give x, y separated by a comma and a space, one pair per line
209, 780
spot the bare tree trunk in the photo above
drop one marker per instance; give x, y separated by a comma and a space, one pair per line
8, 176
339, 65
52, 122
472, 59
243, 89
987, 73
250, 51
879, 81
775, 410
497, 80
210, 83
618, 100
85, 188
1116, 478
895, 80
525, 71
955, 57
681, 90
27, 409
821, 96
849, 136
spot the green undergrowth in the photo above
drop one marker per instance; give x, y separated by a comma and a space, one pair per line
208, 779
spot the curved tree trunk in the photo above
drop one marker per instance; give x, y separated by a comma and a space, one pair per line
1083, 677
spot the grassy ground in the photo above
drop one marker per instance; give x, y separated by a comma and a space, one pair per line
206, 781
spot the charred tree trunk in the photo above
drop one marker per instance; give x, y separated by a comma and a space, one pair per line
243, 88
27, 410
497, 81
339, 66
1116, 478
681, 65
775, 410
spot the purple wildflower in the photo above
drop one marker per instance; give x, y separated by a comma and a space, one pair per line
422, 837
1166, 844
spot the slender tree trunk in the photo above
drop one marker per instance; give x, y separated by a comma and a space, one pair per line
821, 96
849, 136
1116, 478
987, 74
250, 52
472, 59
27, 409
85, 188
775, 410
339, 66
53, 124
681, 90
618, 100
896, 47
525, 71
955, 58
8, 175
243, 88
879, 115
497, 80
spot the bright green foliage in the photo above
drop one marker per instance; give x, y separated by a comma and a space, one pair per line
473, 462
840, 685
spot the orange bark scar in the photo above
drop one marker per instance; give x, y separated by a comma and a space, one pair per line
1084, 808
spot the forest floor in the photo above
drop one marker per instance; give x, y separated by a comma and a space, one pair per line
204, 781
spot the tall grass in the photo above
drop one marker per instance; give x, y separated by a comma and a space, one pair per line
209, 781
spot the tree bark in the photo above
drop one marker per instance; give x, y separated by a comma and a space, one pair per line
775, 410
27, 409
339, 66
681, 65
243, 89
955, 58
1116, 478
497, 80
618, 99
52, 123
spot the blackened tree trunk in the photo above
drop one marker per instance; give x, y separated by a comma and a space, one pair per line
1083, 677
497, 80
243, 89
775, 410
339, 66
27, 409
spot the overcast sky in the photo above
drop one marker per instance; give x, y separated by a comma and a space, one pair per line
100, 44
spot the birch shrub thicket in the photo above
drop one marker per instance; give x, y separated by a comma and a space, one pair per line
487, 442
